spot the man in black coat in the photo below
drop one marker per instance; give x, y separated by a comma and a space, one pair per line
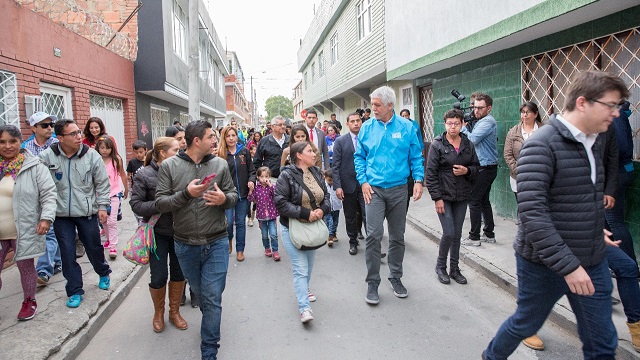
344, 180
269, 152
560, 245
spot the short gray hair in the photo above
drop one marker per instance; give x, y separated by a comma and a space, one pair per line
384, 93
276, 118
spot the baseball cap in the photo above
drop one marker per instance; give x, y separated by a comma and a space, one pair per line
39, 116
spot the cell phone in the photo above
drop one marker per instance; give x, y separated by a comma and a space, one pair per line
207, 179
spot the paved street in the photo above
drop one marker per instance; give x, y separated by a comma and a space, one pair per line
261, 321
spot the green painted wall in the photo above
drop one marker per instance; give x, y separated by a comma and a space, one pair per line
499, 75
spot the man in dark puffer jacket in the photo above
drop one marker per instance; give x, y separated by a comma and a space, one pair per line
560, 245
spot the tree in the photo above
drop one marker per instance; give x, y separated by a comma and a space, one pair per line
278, 105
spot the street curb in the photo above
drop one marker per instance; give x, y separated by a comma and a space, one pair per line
560, 315
76, 343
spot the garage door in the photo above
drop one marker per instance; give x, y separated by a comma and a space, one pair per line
111, 112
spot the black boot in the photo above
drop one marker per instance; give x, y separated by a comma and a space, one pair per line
442, 275
457, 276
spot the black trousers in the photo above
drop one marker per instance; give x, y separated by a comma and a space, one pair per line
354, 214
479, 205
160, 271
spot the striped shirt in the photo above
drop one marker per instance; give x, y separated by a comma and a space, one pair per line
35, 148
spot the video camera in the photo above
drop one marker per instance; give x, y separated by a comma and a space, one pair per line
361, 112
468, 111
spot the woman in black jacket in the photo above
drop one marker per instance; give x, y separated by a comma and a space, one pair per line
451, 167
292, 201
244, 178
142, 202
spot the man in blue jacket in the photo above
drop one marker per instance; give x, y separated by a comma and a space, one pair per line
388, 149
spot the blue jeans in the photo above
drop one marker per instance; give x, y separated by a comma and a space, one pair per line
626, 272
302, 264
615, 216
539, 288
268, 229
89, 235
50, 258
451, 221
332, 219
205, 267
238, 215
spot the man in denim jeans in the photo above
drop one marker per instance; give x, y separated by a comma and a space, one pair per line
560, 245
199, 223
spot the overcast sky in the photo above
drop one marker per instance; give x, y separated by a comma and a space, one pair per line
265, 36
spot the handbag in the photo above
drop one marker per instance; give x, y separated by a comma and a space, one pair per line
142, 243
308, 235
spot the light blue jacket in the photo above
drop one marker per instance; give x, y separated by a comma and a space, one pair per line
385, 152
485, 139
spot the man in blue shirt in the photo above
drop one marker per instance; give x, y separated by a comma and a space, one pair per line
388, 149
485, 139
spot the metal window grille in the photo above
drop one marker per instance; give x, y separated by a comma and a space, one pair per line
8, 99
546, 76
426, 112
184, 118
159, 122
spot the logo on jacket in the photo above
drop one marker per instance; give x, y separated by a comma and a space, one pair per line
396, 135
242, 159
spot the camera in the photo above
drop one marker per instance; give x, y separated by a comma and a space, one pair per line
361, 112
469, 118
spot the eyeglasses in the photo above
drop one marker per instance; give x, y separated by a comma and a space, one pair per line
526, 112
479, 107
448, 124
73, 133
46, 125
612, 107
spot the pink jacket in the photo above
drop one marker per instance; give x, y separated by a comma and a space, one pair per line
265, 206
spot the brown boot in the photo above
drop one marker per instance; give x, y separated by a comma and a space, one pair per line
230, 246
534, 342
158, 295
175, 294
634, 329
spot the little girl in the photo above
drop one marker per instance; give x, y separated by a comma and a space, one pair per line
332, 218
115, 171
266, 212
252, 207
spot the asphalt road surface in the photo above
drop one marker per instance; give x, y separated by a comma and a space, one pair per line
260, 319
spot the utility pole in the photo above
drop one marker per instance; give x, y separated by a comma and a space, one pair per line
194, 61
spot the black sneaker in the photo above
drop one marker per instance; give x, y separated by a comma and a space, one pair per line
372, 294
43, 279
57, 269
353, 249
398, 289
195, 302
360, 236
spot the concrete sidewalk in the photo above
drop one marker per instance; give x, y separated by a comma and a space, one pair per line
497, 262
59, 332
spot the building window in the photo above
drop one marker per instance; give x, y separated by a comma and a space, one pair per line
159, 121
184, 118
334, 48
321, 64
9, 99
56, 100
546, 76
212, 72
313, 73
407, 97
364, 18
305, 80
203, 55
179, 32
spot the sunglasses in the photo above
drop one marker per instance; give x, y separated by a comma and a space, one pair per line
46, 125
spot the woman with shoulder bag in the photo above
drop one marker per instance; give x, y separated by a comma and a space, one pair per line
142, 202
301, 195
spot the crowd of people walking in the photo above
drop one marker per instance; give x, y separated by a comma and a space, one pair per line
203, 186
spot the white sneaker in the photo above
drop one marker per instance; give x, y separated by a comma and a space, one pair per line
306, 316
250, 222
312, 297
485, 238
469, 242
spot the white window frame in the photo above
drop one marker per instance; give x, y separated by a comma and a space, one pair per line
334, 48
9, 98
180, 34
406, 105
65, 92
305, 80
313, 73
203, 56
321, 64
363, 13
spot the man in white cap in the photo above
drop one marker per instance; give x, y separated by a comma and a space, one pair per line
41, 124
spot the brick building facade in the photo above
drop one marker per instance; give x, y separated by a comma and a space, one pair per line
45, 65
